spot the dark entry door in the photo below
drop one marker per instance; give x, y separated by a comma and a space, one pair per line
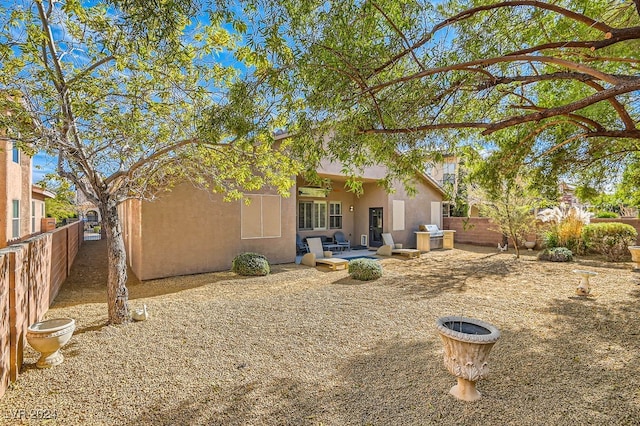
375, 226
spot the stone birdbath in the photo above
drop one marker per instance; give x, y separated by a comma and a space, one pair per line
467, 343
584, 288
635, 257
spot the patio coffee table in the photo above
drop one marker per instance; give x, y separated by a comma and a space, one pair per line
332, 247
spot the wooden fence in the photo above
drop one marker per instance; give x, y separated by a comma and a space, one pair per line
31, 274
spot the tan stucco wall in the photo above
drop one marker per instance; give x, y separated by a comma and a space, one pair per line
373, 196
16, 185
40, 212
188, 231
417, 211
4, 207
332, 168
38, 198
129, 213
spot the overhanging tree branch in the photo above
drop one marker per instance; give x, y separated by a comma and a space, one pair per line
578, 17
467, 66
605, 94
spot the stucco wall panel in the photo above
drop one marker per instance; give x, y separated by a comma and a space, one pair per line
191, 231
417, 211
373, 196
15, 184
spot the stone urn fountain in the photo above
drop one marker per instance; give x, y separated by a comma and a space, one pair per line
47, 337
467, 343
635, 257
584, 288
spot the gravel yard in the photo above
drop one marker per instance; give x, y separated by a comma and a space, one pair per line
305, 346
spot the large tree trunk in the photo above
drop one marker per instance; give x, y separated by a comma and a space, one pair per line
117, 293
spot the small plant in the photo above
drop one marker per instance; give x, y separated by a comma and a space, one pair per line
365, 269
566, 227
550, 239
252, 264
556, 254
610, 239
606, 215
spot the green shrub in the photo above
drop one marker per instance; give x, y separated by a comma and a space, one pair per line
365, 269
252, 264
556, 254
610, 239
606, 215
550, 239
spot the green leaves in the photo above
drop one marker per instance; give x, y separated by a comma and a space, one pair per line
515, 75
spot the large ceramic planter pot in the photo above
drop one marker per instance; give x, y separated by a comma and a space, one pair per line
529, 245
467, 343
47, 337
635, 256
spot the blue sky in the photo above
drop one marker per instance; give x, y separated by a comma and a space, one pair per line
42, 164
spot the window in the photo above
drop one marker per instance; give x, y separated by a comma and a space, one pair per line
449, 173
319, 215
261, 217
447, 209
16, 154
449, 168
335, 215
15, 220
305, 215
312, 215
33, 216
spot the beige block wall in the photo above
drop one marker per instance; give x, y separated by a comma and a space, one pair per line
189, 231
5, 332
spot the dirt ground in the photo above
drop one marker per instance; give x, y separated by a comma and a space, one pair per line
306, 346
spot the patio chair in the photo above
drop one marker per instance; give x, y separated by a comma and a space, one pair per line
389, 248
301, 247
317, 255
340, 240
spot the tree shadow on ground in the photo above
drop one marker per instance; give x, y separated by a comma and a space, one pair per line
87, 280
292, 401
555, 376
431, 277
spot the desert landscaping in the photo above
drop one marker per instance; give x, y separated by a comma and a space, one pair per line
308, 346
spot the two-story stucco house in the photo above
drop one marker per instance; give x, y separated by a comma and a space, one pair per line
22, 204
